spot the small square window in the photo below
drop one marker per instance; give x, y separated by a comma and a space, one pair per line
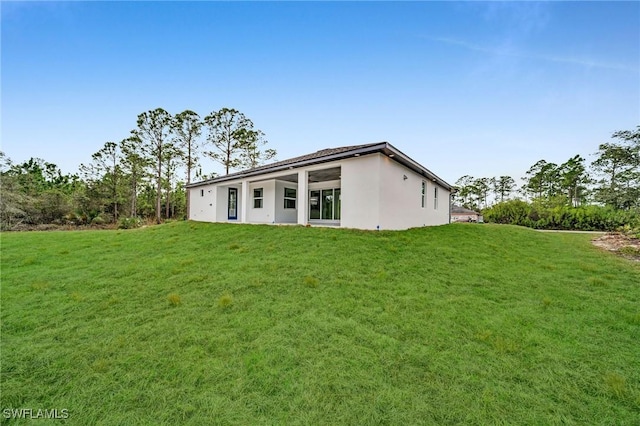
289, 203
289, 193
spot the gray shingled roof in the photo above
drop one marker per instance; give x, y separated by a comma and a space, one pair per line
326, 155
318, 154
461, 210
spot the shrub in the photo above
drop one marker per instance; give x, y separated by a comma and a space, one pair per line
98, 220
515, 212
75, 218
129, 223
540, 216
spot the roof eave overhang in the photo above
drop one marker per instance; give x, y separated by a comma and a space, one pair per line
402, 158
382, 147
290, 166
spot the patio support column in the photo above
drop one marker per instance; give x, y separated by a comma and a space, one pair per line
244, 205
303, 191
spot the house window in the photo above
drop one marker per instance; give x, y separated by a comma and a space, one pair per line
257, 198
424, 187
325, 204
289, 198
435, 198
202, 192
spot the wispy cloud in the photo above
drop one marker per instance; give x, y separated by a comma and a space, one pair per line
512, 52
522, 17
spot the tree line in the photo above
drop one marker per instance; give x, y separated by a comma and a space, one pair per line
612, 179
573, 195
140, 177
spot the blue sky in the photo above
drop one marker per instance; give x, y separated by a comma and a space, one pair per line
484, 89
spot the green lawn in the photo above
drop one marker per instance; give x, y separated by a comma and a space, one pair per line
193, 323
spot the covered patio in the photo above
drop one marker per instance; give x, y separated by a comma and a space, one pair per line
305, 197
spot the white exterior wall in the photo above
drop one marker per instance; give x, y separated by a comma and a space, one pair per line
222, 206
222, 196
374, 195
441, 215
266, 214
360, 192
203, 202
283, 215
402, 205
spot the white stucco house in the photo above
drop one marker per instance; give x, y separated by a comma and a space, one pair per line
373, 186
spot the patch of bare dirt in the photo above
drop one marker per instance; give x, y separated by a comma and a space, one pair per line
620, 244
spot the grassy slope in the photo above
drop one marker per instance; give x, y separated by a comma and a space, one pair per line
473, 324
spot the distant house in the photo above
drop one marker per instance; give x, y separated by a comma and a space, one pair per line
461, 214
372, 186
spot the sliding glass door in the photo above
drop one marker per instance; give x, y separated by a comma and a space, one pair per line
324, 204
327, 204
314, 204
